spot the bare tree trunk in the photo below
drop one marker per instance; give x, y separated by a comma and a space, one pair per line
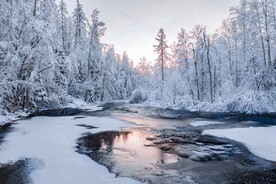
230, 56
197, 82
27, 101
261, 32
189, 80
236, 63
35, 8
209, 67
215, 85
89, 67
162, 60
102, 93
63, 30
265, 9
202, 77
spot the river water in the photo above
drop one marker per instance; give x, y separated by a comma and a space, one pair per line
163, 147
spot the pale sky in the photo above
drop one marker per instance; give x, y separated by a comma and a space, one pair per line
133, 24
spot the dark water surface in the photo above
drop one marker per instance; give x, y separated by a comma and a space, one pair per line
163, 147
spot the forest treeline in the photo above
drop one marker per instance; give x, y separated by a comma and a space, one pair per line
48, 57
230, 70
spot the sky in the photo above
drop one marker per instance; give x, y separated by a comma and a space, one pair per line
132, 25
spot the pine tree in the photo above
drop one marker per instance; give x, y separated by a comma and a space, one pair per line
80, 24
97, 30
64, 26
161, 50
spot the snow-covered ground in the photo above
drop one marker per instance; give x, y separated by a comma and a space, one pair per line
205, 123
52, 140
3, 119
80, 104
259, 140
76, 103
11, 117
249, 102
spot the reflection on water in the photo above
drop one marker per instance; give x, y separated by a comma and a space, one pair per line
151, 122
125, 153
195, 157
130, 146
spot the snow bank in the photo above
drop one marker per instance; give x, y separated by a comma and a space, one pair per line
11, 117
259, 140
52, 140
3, 119
205, 123
250, 102
80, 104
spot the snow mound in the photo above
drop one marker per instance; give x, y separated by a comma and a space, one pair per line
4, 119
80, 104
205, 123
138, 96
251, 102
7, 118
259, 140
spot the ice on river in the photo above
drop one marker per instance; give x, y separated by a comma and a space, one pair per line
259, 140
80, 104
52, 140
205, 123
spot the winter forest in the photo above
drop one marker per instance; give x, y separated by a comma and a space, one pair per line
49, 56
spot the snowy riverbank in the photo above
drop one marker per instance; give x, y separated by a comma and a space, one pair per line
247, 102
4, 119
52, 140
259, 140
75, 103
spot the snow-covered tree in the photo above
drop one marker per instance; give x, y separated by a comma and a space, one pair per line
63, 25
161, 50
94, 64
80, 24
39, 68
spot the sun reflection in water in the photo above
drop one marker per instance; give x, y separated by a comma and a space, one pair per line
130, 146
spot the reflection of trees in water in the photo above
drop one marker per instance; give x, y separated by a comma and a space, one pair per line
122, 136
97, 141
100, 145
161, 157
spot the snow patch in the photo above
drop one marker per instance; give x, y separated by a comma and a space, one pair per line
11, 117
259, 140
52, 140
205, 123
80, 104
250, 102
4, 119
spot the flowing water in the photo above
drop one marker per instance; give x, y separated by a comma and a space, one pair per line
163, 147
